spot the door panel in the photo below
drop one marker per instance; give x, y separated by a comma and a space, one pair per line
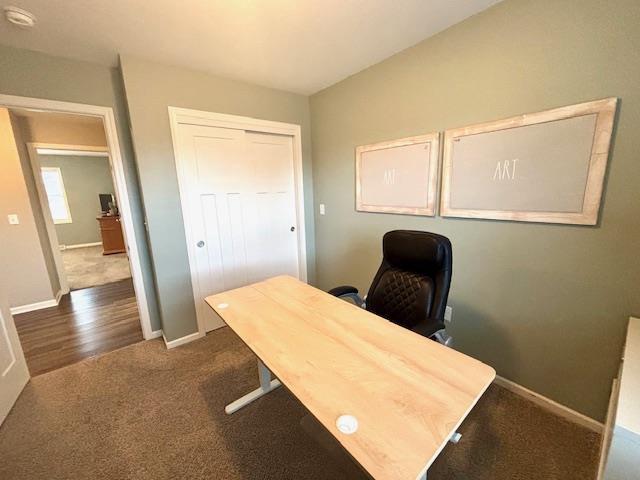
210, 258
234, 255
272, 158
202, 150
274, 244
240, 197
7, 356
14, 374
219, 161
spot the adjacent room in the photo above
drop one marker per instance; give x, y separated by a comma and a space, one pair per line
320, 240
72, 296
77, 178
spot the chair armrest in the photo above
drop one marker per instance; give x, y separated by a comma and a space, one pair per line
343, 290
347, 291
428, 327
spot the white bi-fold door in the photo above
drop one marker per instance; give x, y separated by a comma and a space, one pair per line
238, 191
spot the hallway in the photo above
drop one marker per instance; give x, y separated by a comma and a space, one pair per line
86, 323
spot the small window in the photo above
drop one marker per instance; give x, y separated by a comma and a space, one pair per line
57, 197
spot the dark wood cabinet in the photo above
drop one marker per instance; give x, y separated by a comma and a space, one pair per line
111, 232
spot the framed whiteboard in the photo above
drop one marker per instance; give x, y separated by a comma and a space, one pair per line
542, 167
400, 176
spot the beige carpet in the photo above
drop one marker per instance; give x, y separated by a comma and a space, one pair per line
87, 267
144, 412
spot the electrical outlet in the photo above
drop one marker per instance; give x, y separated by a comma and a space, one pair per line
322, 209
448, 314
13, 219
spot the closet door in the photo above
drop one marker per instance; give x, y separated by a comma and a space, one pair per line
239, 194
272, 238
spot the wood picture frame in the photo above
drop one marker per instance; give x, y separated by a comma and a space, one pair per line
394, 176
593, 163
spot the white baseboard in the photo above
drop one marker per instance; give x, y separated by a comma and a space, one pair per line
34, 306
154, 334
550, 405
182, 340
608, 427
80, 245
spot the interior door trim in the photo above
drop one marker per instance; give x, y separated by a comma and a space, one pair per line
107, 116
184, 116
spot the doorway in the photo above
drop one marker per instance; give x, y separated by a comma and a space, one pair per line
82, 220
78, 179
242, 201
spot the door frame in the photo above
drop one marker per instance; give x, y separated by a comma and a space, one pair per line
58, 149
32, 149
178, 115
119, 180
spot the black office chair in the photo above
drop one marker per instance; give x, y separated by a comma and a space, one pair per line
411, 286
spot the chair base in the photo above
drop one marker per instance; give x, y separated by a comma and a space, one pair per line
443, 337
356, 298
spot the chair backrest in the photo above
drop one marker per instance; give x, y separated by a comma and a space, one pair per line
411, 286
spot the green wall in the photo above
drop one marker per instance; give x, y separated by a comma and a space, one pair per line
546, 305
84, 179
31, 74
150, 89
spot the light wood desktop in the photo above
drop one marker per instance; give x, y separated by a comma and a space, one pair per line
408, 393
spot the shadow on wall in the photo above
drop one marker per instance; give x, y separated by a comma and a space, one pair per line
364, 258
473, 330
539, 345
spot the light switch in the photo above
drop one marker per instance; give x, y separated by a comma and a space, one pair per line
13, 219
322, 209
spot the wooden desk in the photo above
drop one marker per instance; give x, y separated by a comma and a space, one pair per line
620, 455
408, 393
111, 233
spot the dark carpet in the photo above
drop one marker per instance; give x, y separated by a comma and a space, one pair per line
144, 412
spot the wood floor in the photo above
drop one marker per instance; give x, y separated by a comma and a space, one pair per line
86, 323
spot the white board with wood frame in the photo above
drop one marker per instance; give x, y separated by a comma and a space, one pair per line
546, 167
399, 176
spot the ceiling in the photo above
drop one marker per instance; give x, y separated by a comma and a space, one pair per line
296, 45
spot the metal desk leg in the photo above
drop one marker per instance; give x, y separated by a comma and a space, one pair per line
455, 438
266, 385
